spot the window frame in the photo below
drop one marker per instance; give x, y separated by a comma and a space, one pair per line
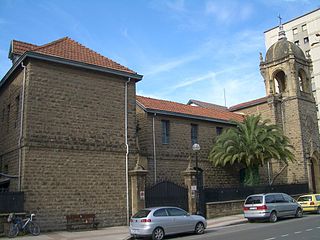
165, 131
194, 133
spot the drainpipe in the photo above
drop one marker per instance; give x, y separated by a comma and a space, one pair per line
154, 149
126, 143
21, 125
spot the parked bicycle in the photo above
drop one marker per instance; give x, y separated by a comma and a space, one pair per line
18, 224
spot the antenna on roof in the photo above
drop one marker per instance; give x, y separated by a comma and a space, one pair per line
224, 95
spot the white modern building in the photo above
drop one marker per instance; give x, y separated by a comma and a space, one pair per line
305, 32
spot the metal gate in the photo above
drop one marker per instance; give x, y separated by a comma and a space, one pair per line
167, 194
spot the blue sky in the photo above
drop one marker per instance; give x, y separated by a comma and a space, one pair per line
186, 49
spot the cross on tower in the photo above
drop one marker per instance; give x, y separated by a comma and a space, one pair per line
280, 18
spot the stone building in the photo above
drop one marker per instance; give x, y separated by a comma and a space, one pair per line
167, 131
291, 105
67, 131
304, 31
288, 103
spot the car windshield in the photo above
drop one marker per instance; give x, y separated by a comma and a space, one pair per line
254, 200
141, 214
305, 199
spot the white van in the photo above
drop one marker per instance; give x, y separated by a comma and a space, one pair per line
270, 206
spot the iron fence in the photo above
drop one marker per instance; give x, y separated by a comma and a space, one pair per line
239, 193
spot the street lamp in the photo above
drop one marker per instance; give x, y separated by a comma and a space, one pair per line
196, 148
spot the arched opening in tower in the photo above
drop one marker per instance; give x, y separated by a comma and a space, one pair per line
304, 84
280, 82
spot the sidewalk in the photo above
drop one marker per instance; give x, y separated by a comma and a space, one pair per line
121, 233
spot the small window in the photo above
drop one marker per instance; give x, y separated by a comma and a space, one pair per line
219, 130
270, 199
160, 213
306, 40
305, 199
297, 43
194, 133
254, 200
287, 198
308, 53
304, 27
141, 214
279, 198
165, 131
17, 111
176, 212
318, 197
295, 31
6, 169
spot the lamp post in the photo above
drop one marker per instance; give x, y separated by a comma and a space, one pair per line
196, 148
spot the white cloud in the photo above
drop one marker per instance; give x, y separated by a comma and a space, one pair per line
176, 5
228, 11
155, 69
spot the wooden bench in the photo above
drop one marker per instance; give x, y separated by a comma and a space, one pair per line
76, 221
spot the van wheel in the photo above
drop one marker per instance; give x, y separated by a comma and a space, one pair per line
251, 220
273, 217
318, 210
299, 213
157, 234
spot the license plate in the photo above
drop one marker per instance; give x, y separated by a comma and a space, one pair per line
134, 231
253, 208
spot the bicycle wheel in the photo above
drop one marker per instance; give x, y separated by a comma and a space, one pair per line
34, 228
13, 230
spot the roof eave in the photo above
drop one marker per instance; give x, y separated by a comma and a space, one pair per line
54, 59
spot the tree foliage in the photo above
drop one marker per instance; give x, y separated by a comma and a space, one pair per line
253, 143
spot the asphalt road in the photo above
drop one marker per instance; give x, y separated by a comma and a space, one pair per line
307, 228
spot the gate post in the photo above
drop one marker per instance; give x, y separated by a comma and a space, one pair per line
138, 185
190, 181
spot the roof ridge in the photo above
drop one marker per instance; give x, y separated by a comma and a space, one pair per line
50, 43
81, 45
14, 40
163, 100
187, 105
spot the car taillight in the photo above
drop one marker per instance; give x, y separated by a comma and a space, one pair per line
131, 220
245, 208
263, 207
145, 220
311, 203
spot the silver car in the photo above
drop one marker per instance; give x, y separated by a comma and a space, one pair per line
161, 221
271, 206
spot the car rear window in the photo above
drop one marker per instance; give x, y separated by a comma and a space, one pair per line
305, 199
254, 200
141, 214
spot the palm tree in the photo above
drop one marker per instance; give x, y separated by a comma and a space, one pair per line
252, 143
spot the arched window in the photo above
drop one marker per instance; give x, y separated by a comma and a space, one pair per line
304, 83
280, 82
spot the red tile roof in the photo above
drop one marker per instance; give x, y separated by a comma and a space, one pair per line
207, 105
179, 108
248, 104
69, 49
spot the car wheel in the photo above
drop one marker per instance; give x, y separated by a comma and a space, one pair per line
299, 213
199, 229
157, 234
273, 217
318, 210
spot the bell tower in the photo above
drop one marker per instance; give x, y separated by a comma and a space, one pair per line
287, 78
